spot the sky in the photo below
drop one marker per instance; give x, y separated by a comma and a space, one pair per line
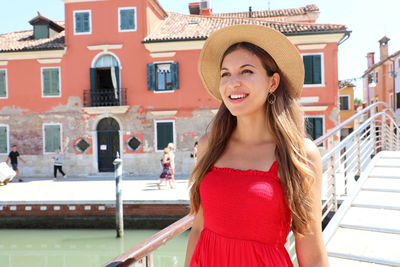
368, 21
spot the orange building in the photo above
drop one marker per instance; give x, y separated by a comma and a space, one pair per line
381, 79
121, 76
346, 106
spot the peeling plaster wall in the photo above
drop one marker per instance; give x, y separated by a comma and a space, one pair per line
26, 131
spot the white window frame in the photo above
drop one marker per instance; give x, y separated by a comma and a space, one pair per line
155, 133
8, 138
119, 19
90, 21
163, 91
323, 124
322, 84
59, 81
348, 102
44, 136
5, 97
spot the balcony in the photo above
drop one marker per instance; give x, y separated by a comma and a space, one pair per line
104, 100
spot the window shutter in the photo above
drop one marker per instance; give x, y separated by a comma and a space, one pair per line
55, 85
175, 75
308, 68
92, 79
317, 79
318, 127
86, 23
132, 19
3, 84
151, 76
117, 77
46, 82
3, 140
397, 100
52, 138
78, 22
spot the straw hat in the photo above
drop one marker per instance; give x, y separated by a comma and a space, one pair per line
274, 43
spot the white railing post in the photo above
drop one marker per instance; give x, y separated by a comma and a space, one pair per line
373, 132
333, 181
391, 137
357, 149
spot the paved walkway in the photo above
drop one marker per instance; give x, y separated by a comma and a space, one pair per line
92, 190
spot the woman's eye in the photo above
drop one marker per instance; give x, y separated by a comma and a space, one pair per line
224, 74
247, 71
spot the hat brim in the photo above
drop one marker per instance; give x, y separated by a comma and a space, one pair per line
285, 54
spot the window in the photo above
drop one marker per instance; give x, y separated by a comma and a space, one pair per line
52, 137
82, 145
127, 19
370, 78
51, 82
3, 139
313, 69
82, 22
397, 100
40, 31
3, 83
163, 76
164, 134
376, 77
344, 102
314, 127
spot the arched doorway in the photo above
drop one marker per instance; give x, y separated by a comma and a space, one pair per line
107, 143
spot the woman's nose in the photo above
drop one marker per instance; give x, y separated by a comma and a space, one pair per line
234, 81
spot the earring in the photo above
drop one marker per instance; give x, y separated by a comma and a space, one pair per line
271, 98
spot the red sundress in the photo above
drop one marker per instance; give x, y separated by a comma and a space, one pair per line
246, 220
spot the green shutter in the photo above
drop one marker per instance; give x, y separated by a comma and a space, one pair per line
3, 83
318, 127
175, 75
41, 31
92, 79
78, 22
86, 22
164, 134
151, 76
3, 139
51, 82
82, 23
52, 138
308, 68
317, 71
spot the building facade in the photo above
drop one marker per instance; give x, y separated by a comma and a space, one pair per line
121, 77
346, 106
381, 79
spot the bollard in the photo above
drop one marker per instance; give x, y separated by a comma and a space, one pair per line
119, 211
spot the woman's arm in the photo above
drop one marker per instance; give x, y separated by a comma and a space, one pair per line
194, 235
165, 159
310, 249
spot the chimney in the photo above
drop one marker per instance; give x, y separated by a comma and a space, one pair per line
205, 7
384, 48
370, 59
194, 8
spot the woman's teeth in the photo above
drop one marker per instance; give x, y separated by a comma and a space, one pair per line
237, 96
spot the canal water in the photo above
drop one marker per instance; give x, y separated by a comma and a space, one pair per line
81, 247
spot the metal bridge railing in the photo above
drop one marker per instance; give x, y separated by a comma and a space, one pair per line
342, 163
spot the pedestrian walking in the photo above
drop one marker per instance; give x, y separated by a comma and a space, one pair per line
13, 156
166, 172
257, 176
58, 163
172, 160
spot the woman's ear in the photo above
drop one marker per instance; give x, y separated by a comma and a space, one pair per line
275, 80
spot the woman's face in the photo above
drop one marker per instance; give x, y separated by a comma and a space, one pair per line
244, 84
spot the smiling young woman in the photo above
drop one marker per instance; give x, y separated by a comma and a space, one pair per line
257, 176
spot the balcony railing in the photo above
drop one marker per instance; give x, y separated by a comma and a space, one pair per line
104, 98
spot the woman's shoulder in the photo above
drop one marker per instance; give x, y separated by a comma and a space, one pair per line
312, 150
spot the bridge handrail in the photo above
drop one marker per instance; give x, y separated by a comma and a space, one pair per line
144, 250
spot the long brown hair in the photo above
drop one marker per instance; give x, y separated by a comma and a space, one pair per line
286, 123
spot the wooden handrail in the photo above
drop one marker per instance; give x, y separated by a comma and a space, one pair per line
149, 245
